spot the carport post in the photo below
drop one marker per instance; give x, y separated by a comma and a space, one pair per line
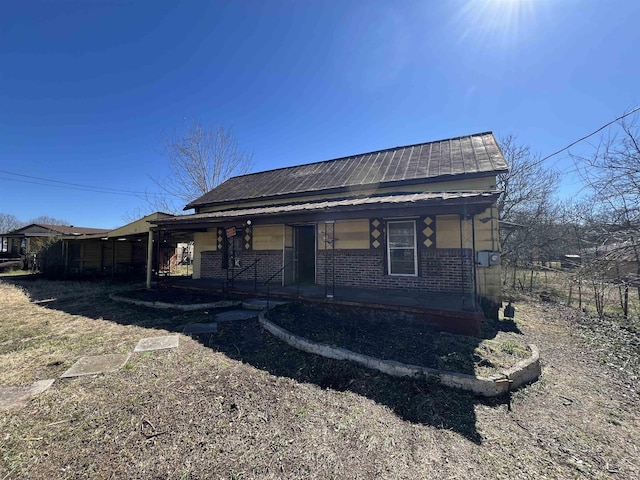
149, 257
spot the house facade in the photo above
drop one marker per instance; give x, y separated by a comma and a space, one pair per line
29, 241
419, 218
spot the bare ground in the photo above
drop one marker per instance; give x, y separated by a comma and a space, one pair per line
241, 405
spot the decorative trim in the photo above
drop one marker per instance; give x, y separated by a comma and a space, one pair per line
247, 238
427, 231
220, 238
376, 234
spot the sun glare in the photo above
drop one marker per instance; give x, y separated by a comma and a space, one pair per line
495, 22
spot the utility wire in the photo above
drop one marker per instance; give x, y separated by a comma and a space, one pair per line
591, 134
71, 187
59, 183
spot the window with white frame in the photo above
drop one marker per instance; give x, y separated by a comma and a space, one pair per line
401, 248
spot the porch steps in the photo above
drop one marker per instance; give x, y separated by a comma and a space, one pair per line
259, 303
235, 315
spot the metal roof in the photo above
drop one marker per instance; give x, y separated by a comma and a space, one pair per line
470, 155
39, 229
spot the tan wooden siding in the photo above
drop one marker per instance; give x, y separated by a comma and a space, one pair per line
202, 242
448, 231
489, 282
486, 225
267, 237
349, 234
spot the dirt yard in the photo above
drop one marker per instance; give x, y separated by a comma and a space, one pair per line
239, 404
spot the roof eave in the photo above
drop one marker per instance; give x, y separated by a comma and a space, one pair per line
439, 206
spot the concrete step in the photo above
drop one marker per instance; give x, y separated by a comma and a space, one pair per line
259, 303
235, 315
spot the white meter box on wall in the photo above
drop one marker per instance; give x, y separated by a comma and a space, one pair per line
488, 259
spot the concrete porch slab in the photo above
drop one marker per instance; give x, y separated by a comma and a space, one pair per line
97, 364
157, 343
18, 397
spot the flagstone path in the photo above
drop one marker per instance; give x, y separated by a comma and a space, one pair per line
97, 364
17, 397
157, 343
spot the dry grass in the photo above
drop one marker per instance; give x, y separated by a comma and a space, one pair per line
562, 286
241, 405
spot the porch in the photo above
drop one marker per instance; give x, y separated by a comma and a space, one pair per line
452, 312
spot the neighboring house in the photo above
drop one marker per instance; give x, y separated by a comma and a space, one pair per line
420, 218
25, 242
123, 251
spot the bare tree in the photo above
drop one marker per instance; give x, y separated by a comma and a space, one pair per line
200, 158
527, 207
9, 222
528, 187
612, 173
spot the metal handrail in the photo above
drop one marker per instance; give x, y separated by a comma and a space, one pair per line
272, 277
255, 274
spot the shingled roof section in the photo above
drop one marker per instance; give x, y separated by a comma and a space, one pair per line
469, 155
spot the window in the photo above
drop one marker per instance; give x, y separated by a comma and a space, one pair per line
401, 248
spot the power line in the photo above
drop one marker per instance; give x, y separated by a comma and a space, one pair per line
77, 186
591, 134
71, 187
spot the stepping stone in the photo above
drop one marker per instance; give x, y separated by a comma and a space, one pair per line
200, 328
97, 364
18, 397
233, 315
157, 343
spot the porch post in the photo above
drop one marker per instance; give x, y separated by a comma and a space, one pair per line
149, 257
65, 253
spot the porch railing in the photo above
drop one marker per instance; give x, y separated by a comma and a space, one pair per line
229, 281
268, 282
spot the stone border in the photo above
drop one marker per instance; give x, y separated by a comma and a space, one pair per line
525, 371
178, 306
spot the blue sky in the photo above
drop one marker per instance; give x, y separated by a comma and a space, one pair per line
88, 87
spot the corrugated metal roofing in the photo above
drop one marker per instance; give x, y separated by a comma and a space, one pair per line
44, 229
468, 155
333, 205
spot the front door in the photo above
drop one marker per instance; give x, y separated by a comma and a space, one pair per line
305, 253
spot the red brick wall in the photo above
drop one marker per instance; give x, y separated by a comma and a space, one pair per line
440, 270
270, 261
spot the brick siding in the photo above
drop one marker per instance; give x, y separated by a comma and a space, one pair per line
440, 270
270, 261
